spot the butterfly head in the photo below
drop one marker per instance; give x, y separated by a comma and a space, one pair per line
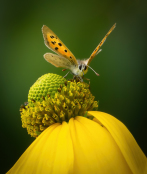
81, 69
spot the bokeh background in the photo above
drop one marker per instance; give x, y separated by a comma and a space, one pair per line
80, 24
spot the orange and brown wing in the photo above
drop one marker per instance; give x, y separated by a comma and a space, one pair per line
96, 51
56, 45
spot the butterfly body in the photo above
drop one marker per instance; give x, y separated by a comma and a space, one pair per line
65, 58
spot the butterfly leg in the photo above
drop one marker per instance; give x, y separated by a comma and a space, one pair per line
78, 78
75, 76
87, 80
66, 74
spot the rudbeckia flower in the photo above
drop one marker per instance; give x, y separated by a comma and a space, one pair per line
72, 137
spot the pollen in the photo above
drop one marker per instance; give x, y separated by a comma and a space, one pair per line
52, 100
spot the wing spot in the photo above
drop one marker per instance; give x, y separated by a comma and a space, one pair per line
60, 44
53, 42
56, 48
52, 37
70, 57
65, 51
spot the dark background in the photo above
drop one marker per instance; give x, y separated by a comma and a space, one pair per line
80, 24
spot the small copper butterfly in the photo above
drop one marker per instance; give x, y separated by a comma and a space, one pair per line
65, 58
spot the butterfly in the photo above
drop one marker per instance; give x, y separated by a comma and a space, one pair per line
65, 58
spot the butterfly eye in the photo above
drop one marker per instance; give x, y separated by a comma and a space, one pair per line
80, 67
85, 67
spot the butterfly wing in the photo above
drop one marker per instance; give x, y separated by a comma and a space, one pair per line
58, 61
56, 45
97, 50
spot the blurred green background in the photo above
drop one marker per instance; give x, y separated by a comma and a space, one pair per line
121, 86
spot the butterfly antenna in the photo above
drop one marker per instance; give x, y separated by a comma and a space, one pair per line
93, 70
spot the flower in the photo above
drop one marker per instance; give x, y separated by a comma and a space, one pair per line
52, 99
78, 142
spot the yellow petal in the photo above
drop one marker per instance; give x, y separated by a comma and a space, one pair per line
95, 151
132, 153
80, 146
51, 152
145, 170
